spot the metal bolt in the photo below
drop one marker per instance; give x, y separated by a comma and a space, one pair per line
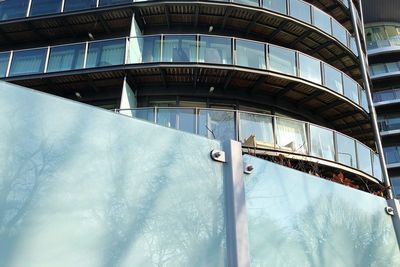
218, 155
248, 169
389, 210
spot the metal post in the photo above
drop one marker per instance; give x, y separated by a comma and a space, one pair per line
372, 111
236, 215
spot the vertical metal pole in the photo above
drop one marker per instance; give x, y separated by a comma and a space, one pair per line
372, 111
236, 215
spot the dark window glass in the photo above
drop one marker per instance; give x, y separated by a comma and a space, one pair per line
11, 9
68, 57
43, 7
28, 62
4, 63
114, 2
106, 53
71, 5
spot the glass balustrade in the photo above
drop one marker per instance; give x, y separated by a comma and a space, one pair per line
73, 5
247, 2
300, 10
392, 154
389, 122
386, 95
276, 5
322, 21
13, 9
339, 32
256, 130
363, 100
44, 7
4, 58
114, 2
384, 68
184, 49
382, 36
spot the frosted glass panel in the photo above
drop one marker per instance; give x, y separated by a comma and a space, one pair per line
309, 221
81, 186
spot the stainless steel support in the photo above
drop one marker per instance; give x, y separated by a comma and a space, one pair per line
236, 215
367, 87
395, 205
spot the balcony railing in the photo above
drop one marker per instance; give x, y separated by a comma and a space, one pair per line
384, 69
298, 9
182, 49
387, 95
383, 44
392, 155
389, 123
267, 132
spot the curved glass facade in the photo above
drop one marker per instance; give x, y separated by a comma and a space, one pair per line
381, 36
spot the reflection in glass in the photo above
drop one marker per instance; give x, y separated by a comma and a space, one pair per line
28, 62
291, 135
339, 32
396, 185
276, 5
363, 100
300, 10
179, 48
257, 128
322, 144
113, 2
386, 95
179, 118
309, 68
43, 7
72, 5
282, 60
346, 150
247, 2
333, 79
322, 20
216, 50
364, 158
144, 49
106, 53
216, 124
4, 57
377, 167
68, 57
12, 9
392, 154
146, 114
250, 54
350, 89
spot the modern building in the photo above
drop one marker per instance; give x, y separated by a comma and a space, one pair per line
382, 27
243, 87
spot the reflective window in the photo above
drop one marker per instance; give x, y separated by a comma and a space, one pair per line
300, 10
68, 57
364, 101
364, 158
250, 54
43, 7
333, 79
322, 144
179, 118
4, 57
350, 89
72, 5
346, 150
113, 2
386, 95
256, 130
28, 62
339, 32
353, 46
377, 69
216, 50
309, 68
12, 9
390, 122
322, 20
106, 53
377, 167
144, 49
276, 5
392, 154
217, 124
291, 135
179, 48
396, 185
146, 114
247, 2
282, 60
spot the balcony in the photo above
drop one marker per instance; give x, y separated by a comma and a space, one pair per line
275, 134
392, 156
389, 125
384, 70
386, 97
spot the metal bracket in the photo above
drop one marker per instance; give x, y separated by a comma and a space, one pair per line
389, 210
218, 155
248, 169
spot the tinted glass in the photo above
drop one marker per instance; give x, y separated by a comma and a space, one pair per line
392, 155
4, 63
69, 57
300, 10
346, 150
216, 124
282, 60
364, 158
43, 7
350, 89
181, 119
291, 135
250, 54
339, 32
364, 101
11, 9
106, 53
179, 48
256, 130
113, 2
247, 2
309, 68
144, 49
71, 5
28, 62
276, 5
377, 167
146, 114
322, 144
322, 20
215, 50
333, 79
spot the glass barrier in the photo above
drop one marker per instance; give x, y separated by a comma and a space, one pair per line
179, 48
144, 49
363, 100
44, 7
384, 68
276, 5
386, 95
250, 54
350, 89
114, 2
300, 10
322, 21
13, 9
381, 36
4, 58
28, 62
73, 5
339, 32
216, 50
333, 79
392, 154
389, 122
396, 185
256, 130
247, 2
310, 68
68, 57
282, 60
106, 53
